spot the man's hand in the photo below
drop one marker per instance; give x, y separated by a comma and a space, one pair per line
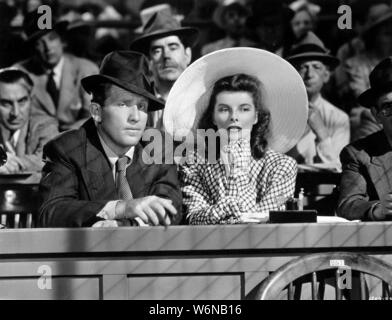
151, 209
13, 165
384, 209
239, 154
315, 122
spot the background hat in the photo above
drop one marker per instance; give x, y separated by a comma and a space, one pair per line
220, 10
376, 20
283, 93
32, 30
311, 47
160, 25
380, 82
127, 70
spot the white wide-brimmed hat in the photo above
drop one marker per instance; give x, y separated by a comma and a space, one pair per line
283, 93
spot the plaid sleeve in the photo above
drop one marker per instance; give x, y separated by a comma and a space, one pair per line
280, 184
200, 207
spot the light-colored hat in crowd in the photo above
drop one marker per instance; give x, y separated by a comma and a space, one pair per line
377, 19
224, 5
283, 93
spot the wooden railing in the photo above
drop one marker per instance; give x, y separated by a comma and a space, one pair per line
178, 262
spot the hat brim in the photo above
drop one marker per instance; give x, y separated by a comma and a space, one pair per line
283, 93
376, 23
90, 83
331, 61
142, 44
59, 26
369, 97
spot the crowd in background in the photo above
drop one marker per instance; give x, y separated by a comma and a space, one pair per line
334, 63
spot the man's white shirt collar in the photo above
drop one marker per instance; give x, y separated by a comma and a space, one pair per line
58, 70
113, 157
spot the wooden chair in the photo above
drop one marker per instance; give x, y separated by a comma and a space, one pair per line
19, 205
285, 276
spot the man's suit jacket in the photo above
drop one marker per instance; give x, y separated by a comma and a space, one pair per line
73, 104
367, 175
33, 136
77, 179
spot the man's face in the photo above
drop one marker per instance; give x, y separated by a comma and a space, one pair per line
14, 105
301, 24
122, 119
315, 74
50, 48
383, 111
234, 21
169, 58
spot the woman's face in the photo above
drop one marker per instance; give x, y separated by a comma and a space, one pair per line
236, 113
301, 24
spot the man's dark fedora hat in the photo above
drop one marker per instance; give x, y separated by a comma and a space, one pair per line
128, 70
312, 48
32, 30
380, 82
160, 25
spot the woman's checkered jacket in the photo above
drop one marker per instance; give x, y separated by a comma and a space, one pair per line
211, 196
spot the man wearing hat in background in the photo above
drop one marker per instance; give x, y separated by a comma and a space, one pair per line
100, 175
169, 49
377, 37
56, 75
366, 183
328, 129
22, 134
231, 17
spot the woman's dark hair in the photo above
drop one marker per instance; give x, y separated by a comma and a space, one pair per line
247, 83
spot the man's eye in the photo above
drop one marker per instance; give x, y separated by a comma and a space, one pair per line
142, 106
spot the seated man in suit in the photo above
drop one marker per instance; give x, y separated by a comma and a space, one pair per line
328, 129
366, 184
22, 135
100, 175
56, 75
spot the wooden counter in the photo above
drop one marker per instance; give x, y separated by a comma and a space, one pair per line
179, 262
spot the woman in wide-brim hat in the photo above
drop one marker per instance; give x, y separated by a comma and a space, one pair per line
256, 104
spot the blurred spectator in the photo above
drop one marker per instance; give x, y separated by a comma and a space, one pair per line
377, 36
22, 134
56, 74
231, 16
328, 129
11, 44
169, 49
299, 18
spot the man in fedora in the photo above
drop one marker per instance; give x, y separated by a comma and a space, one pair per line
22, 134
56, 74
377, 38
328, 129
169, 49
100, 175
366, 183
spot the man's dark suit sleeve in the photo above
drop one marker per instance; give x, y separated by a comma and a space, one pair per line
354, 199
59, 187
167, 186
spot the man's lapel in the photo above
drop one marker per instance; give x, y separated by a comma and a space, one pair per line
97, 172
380, 168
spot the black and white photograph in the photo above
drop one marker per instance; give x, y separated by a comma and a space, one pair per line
195, 155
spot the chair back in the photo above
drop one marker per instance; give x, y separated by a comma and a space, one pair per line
339, 262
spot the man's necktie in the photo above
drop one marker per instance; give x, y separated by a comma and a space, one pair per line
122, 186
52, 88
